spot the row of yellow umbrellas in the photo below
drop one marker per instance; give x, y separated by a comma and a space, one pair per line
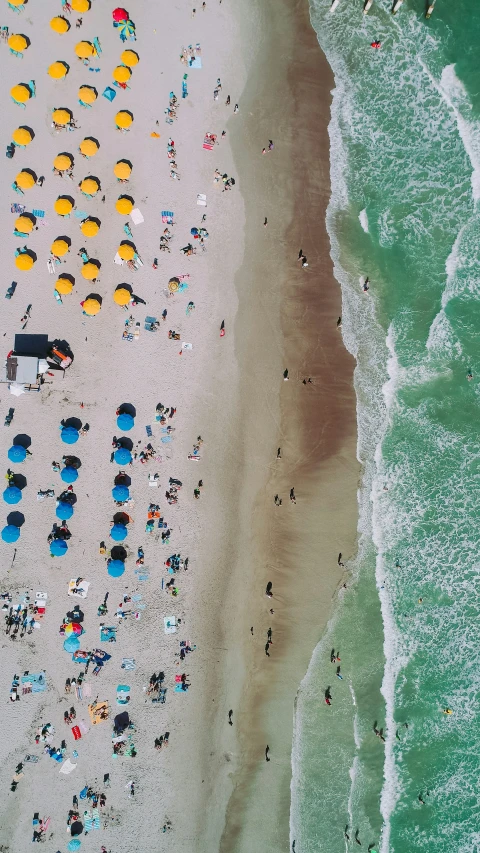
64, 205
24, 135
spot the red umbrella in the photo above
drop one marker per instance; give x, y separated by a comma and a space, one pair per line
120, 14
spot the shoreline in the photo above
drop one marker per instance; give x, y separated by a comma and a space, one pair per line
317, 432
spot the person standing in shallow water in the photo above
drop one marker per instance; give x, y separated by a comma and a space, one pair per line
267, 750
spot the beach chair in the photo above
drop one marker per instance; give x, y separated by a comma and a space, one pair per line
109, 93
148, 430
97, 46
17, 188
38, 213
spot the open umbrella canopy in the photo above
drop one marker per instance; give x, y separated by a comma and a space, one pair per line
69, 474
24, 261
63, 205
60, 24
124, 204
122, 296
122, 170
89, 146
125, 422
24, 224
121, 74
120, 14
69, 435
119, 493
90, 186
116, 568
84, 49
123, 119
119, 532
10, 533
62, 116
126, 251
74, 844
60, 246
122, 456
90, 226
64, 511
63, 162
59, 69
17, 3
21, 93
72, 643
17, 453
22, 136
17, 42
91, 306
87, 94
13, 495
90, 270
63, 286
58, 547
130, 57
26, 179
81, 5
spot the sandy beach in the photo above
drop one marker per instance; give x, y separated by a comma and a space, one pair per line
212, 781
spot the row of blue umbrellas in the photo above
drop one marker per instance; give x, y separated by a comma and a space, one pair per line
120, 493
12, 494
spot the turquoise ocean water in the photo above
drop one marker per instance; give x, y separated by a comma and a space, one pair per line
405, 168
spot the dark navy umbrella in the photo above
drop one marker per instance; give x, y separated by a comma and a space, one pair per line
69, 474
17, 453
10, 533
13, 495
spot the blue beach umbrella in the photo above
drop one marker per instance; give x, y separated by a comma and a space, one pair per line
71, 644
17, 453
10, 533
64, 511
12, 495
125, 422
69, 435
119, 532
122, 456
58, 548
120, 493
116, 568
69, 474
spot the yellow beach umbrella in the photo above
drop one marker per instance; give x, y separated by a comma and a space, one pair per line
90, 186
91, 306
63, 285
17, 42
24, 224
121, 74
16, 2
123, 119
122, 296
63, 162
90, 271
25, 180
59, 247
63, 206
126, 252
130, 58
61, 116
89, 227
124, 205
24, 262
84, 49
81, 5
60, 25
88, 147
22, 136
87, 94
58, 70
21, 93
122, 170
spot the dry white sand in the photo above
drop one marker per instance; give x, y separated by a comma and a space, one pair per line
107, 372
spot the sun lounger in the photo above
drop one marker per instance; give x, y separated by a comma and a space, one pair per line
38, 213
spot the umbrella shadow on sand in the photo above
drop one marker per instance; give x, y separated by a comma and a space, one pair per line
23, 440
72, 422
19, 480
123, 480
127, 409
123, 441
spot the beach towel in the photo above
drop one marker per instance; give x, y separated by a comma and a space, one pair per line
202, 199
96, 818
195, 62
67, 767
79, 691
38, 213
83, 727
98, 712
179, 689
80, 214
76, 733
148, 430
88, 821
136, 216
87, 690
81, 589
128, 663
108, 635
34, 683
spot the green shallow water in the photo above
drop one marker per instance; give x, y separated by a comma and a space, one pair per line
405, 167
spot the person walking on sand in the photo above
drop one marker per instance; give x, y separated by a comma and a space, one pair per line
227, 102
285, 375
230, 715
267, 750
268, 591
265, 222
292, 496
270, 145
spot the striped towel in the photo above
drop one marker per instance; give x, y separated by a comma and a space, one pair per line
78, 691
88, 821
38, 213
96, 819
